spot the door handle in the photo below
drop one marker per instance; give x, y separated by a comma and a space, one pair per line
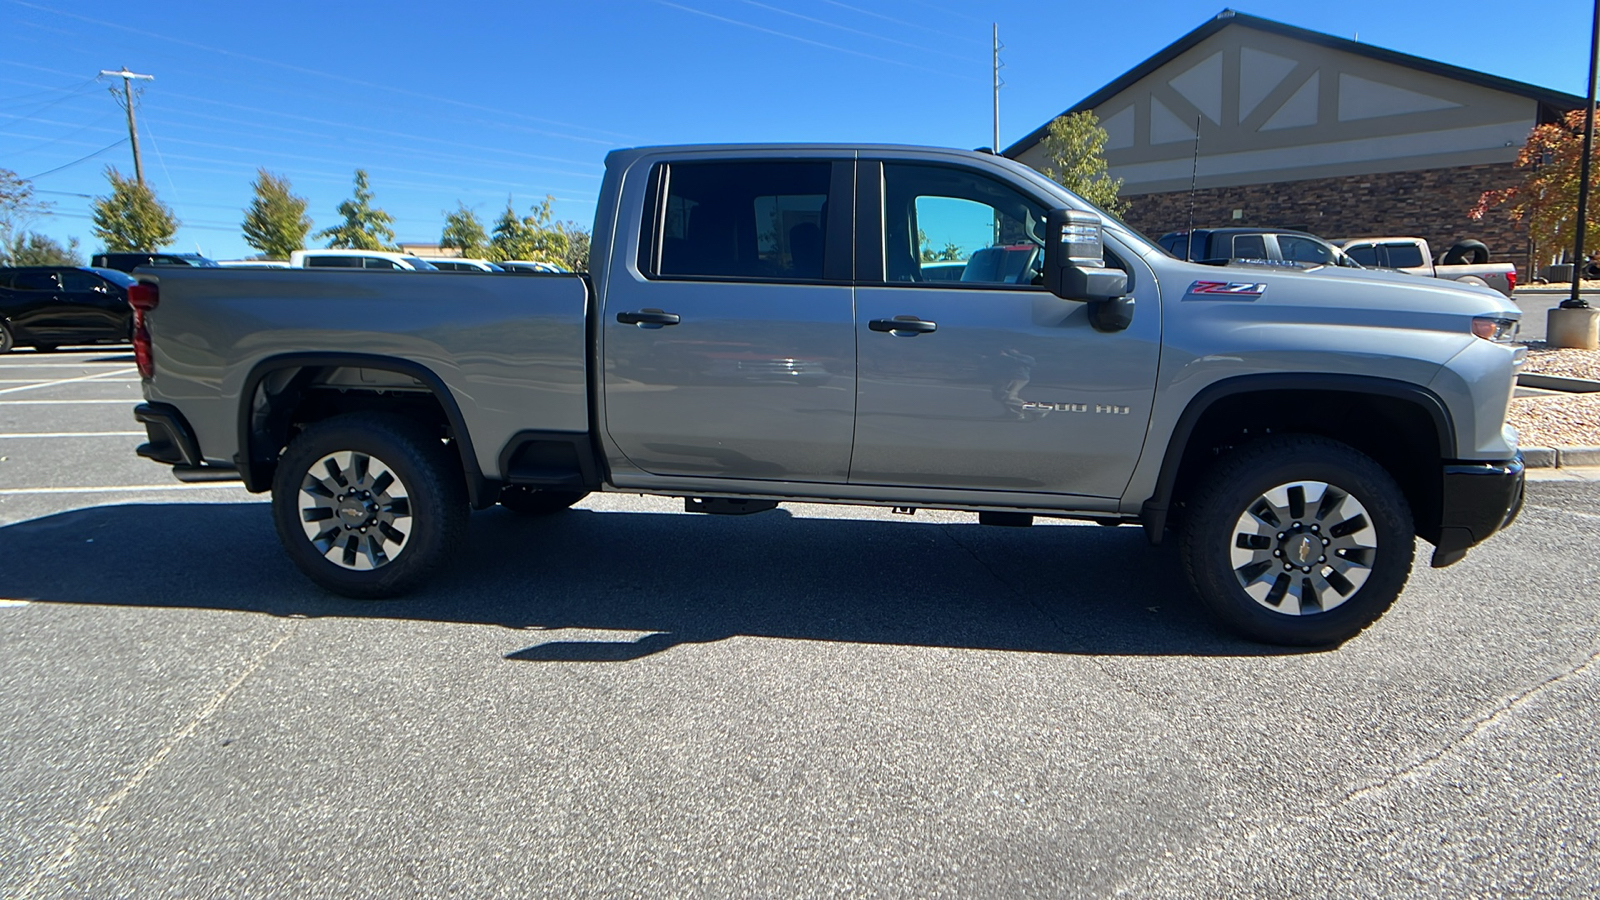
904, 326
648, 318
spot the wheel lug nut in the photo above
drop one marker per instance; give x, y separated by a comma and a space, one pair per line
1280, 535
1326, 542
1303, 569
1322, 559
1277, 553
1316, 528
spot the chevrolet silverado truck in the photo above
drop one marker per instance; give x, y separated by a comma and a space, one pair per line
758, 327
1466, 261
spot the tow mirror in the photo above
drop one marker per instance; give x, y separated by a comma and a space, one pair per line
1074, 258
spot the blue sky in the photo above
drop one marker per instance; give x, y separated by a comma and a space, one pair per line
474, 102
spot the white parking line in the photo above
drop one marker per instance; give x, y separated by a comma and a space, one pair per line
126, 488
20, 364
53, 402
71, 434
45, 384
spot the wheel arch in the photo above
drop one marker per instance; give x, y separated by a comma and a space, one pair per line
263, 431
1405, 427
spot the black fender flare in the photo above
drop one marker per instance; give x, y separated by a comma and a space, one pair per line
1153, 514
253, 470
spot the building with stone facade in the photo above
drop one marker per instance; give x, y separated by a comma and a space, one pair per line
1299, 129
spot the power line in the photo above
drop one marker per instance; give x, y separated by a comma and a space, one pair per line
78, 160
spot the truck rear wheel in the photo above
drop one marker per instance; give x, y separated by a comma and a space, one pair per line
368, 505
1298, 540
534, 502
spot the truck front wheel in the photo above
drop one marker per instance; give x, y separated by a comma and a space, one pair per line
1298, 540
368, 505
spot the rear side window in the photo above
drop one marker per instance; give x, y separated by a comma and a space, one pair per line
35, 281
747, 220
334, 262
378, 262
1403, 256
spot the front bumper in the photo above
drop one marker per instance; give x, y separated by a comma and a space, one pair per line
1478, 499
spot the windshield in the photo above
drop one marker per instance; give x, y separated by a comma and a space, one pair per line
120, 279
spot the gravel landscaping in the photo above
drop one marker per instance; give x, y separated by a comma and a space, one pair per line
1559, 420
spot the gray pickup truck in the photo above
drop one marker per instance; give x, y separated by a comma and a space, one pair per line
757, 328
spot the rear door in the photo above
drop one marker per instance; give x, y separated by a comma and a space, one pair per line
98, 310
989, 383
36, 308
729, 349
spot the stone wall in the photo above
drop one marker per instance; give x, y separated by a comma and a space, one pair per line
1429, 203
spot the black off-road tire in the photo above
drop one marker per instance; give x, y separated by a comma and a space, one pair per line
1239, 482
430, 482
534, 502
1467, 252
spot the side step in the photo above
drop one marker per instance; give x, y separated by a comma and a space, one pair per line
727, 506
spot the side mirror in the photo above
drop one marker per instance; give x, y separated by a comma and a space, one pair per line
1074, 259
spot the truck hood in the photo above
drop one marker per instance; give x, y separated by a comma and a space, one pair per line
1361, 289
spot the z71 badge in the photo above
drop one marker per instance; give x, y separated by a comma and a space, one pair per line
1225, 290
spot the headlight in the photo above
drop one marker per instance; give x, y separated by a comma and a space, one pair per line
1492, 329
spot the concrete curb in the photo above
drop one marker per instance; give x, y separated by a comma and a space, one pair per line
1560, 457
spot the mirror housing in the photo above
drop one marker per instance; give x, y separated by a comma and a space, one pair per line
1074, 258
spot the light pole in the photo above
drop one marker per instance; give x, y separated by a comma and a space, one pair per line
1574, 301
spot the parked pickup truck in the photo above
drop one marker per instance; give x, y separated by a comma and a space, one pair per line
1466, 261
758, 328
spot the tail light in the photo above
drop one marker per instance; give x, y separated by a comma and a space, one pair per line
143, 297
1511, 281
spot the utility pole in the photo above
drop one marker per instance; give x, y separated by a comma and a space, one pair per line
997, 84
126, 102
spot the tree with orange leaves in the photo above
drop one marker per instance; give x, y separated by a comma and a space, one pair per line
1547, 198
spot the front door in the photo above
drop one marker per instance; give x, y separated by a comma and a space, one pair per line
984, 381
729, 351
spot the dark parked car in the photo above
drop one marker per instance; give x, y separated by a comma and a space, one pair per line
127, 262
1273, 245
46, 306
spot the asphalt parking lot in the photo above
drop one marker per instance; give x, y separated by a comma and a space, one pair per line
627, 700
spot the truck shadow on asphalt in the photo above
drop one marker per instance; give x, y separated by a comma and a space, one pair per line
676, 579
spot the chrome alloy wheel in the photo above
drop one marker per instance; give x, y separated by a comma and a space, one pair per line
1303, 548
355, 510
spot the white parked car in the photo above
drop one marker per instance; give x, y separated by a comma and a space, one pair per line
461, 264
524, 266
252, 263
358, 259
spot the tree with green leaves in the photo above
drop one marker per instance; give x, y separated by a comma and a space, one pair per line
276, 222
1075, 147
131, 218
576, 257
35, 249
18, 245
463, 231
532, 237
364, 227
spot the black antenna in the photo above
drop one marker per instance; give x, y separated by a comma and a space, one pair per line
1194, 174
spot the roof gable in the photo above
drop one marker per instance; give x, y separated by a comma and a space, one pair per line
1273, 70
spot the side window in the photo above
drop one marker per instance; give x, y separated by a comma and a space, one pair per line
79, 282
937, 217
1249, 246
1403, 256
744, 220
334, 262
36, 281
1301, 249
1366, 254
378, 262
